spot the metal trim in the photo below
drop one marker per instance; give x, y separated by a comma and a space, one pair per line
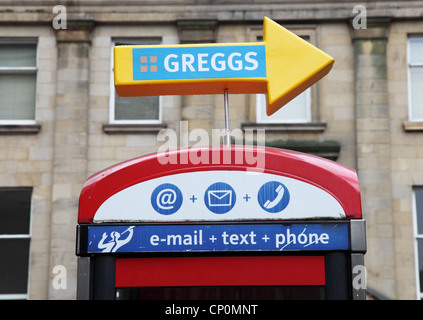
83, 290
358, 235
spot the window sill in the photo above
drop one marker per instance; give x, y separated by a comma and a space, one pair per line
287, 127
328, 149
19, 129
413, 126
133, 128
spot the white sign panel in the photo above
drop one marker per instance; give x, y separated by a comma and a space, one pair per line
219, 196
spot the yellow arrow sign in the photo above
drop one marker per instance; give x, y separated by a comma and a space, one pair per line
282, 66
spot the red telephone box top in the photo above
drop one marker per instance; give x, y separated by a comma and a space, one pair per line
219, 183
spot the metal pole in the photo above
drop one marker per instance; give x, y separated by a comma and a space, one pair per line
227, 131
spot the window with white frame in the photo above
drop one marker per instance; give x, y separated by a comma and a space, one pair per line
133, 110
418, 233
415, 77
15, 230
18, 76
298, 110
295, 111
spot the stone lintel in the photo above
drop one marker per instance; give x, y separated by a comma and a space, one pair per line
376, 28
76, 31
197, 30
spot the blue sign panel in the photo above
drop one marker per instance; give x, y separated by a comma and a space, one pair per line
203, 62
218, 237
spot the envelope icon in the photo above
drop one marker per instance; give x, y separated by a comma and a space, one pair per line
218, 198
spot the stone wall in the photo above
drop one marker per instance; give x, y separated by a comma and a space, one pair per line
26, 156
406, 158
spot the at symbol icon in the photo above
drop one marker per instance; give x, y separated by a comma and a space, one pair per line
166, 198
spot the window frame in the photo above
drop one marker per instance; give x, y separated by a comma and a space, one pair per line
20, 296
409, 67
417, 237
29, 70
112, 104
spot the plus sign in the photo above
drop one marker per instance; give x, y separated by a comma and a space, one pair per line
265, 238
213, 239
247, 197
193, 198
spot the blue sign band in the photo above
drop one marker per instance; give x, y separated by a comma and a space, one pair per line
208, 62
218, 237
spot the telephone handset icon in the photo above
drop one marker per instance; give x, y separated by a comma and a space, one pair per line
273, 196
270, 204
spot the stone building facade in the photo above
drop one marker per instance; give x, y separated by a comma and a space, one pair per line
365, 114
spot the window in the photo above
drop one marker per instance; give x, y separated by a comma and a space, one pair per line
418, 233
15, 216
18, 74
295, 111
298, 110
133, 110
415, 78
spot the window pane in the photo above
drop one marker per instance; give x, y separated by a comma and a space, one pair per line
18, 55
15, 204
416, 85
297, 110
136, 108
416, 50
17, 96
14, 257
418, 194
420, 256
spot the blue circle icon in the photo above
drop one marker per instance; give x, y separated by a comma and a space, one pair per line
166, 198
220, 197
273, 196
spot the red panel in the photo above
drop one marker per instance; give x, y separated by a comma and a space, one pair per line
341, 182
220, 271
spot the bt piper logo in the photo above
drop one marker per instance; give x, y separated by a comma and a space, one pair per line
115, 240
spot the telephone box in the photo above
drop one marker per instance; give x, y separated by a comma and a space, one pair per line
223, 222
